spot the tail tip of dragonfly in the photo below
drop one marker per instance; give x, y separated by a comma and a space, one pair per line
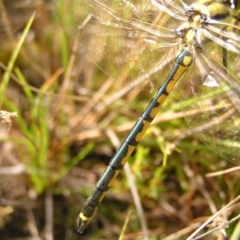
81, 225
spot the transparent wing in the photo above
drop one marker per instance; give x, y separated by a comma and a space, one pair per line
130, 41
137, 41
212, 99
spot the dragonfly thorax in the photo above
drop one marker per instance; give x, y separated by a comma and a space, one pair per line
199, 15
208, 10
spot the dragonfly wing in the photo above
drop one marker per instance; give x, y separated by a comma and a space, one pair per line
126, 41
212, 102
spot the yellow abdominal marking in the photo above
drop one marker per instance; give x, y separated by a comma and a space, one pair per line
140, 134
84, 218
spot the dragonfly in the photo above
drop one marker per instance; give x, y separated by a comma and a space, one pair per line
201, 43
